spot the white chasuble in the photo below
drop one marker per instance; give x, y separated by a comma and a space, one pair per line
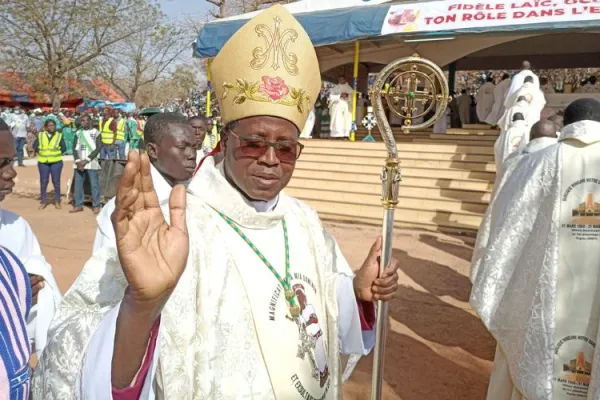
536, 285
225, 332
294, 349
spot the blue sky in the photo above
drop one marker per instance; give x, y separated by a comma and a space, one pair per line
176, 9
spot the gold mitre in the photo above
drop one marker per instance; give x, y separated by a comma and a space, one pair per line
268, 67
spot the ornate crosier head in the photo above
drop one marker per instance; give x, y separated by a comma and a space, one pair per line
412, 87
268, 67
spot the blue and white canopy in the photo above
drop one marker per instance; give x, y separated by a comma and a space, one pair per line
336, 21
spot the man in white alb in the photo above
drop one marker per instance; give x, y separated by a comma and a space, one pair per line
518, 80
510, 139
531, 91
538, 280
485, 99
500, 92
205, 307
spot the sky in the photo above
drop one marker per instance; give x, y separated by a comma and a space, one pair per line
177, 9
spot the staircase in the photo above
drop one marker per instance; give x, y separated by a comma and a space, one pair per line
447, 180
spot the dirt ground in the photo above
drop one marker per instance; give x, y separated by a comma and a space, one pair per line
437, 348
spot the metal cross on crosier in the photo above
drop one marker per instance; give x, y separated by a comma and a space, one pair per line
413, 80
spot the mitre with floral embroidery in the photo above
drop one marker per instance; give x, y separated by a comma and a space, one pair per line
268, 67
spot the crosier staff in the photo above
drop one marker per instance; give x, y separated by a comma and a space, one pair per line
412, 76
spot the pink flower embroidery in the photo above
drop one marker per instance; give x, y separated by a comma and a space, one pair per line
275, 88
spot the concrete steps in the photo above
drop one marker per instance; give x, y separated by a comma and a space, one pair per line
473, 136
446, 183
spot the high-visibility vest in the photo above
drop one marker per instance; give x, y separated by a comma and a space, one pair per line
121, 129
105, 133
49, 149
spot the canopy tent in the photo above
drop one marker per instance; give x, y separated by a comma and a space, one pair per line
21, 88
351, 20
374, 33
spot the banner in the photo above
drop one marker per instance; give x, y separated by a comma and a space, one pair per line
454, 15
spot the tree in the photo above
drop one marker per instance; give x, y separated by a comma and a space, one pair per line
225, 8
143, 58
55, 38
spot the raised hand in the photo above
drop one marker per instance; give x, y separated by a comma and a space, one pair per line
153, 254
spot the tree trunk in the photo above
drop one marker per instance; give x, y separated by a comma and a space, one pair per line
55, 93
133, 93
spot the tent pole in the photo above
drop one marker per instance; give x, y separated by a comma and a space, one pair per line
451, 76
355, 91
208, 88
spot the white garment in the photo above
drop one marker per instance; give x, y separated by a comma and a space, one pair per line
339, 89
521, 107
18, 124
538, 279
500, 92
539, 144
209, 345
310, 124
535, 97
518, 80
341, 118
105, 234
16, 235
485, 100
83, 151
508, 142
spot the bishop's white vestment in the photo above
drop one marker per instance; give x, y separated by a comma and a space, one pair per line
538, 279
500, 92
485, 100
16, 235
225, 332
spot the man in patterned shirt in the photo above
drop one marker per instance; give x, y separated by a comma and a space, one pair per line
86, 147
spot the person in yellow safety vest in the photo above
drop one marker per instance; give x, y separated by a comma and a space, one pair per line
120, 139
112, 132
107, 129
50, 147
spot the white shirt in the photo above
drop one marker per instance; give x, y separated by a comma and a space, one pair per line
16, 235
18, 124
105, 234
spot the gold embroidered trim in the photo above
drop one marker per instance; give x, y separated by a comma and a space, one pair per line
276, 43
272, 90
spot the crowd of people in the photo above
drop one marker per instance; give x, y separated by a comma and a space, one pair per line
92, 138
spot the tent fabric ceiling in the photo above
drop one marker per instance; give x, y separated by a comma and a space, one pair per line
564, 50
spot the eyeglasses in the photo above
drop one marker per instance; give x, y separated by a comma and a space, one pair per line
256, 147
